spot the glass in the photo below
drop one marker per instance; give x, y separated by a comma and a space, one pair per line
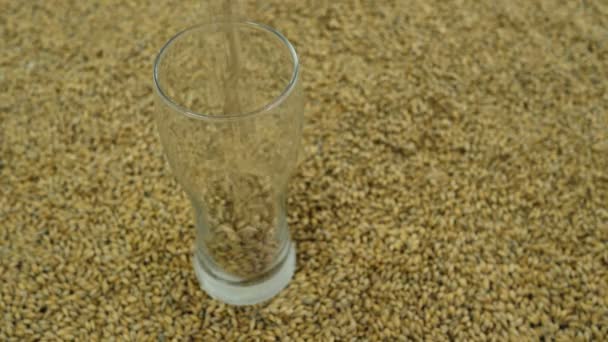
230, 118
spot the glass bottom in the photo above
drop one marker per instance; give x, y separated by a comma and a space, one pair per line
251, 292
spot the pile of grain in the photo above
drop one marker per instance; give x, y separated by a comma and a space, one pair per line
454, 186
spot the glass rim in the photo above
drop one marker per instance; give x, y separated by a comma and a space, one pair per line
231, 116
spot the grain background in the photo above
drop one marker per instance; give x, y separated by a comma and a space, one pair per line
454, 184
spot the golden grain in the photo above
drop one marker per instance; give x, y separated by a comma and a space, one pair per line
452, 186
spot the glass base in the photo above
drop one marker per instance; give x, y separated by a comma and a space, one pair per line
251, 292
